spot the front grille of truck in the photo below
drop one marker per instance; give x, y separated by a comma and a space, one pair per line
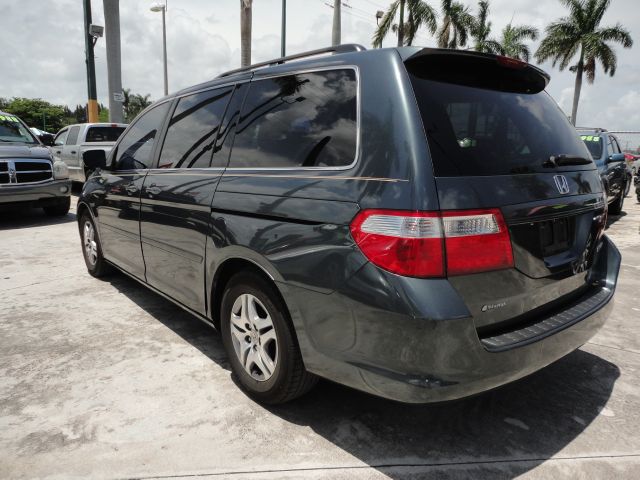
24, 172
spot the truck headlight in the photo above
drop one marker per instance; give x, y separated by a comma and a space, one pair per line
60, 170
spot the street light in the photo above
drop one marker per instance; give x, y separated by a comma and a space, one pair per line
163, 9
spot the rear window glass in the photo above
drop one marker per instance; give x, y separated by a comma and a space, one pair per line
302, 120
477, 131
594, 145
104, 134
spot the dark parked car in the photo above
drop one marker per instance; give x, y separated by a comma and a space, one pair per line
28, 174
419, 224
615, 173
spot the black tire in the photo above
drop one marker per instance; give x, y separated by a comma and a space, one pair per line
99, 267
627, 185
59, 209
289, 379
616, 207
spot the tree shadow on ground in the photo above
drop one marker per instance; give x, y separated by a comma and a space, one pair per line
502, 433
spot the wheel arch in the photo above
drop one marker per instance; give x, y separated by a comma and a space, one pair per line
224, 272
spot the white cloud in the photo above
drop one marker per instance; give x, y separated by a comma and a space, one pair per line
43, 46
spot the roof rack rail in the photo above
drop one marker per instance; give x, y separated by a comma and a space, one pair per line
597, 129
344, 48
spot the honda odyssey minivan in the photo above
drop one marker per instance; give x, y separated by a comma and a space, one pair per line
416, 223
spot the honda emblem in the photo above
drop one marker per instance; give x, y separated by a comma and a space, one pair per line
561, 183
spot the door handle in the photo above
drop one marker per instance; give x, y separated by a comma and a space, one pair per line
131, 189
58, 152
73, 152
153, 189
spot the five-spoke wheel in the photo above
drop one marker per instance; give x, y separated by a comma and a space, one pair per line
259, 338
91, 249
254, 337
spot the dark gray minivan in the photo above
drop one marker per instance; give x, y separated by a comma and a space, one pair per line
416, 223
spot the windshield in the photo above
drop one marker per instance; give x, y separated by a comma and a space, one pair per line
13, 130
594, 144
104, 134
482, 131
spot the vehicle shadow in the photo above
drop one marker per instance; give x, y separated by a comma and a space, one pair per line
611, 219
498, 434
25, 217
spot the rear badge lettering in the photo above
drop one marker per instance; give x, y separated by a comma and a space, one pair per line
493, 306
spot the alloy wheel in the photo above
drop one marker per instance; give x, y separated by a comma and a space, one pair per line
90, 245
254, 337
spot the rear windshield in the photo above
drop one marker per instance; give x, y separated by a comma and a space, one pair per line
104, 134
478, 131
594, 144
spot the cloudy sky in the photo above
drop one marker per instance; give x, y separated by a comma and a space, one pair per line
43, 46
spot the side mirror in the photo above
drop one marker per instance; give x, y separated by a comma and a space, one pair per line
616, 157
46, 139
94, 159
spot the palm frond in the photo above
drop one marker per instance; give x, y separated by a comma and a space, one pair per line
617, 34
385, 24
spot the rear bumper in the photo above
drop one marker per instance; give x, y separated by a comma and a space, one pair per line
39, 194
379, 344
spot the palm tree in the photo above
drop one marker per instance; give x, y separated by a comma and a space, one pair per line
512, 42
581, 32
245, 32
456, 23
481, 29
419, 13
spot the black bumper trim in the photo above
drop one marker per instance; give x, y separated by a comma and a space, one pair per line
579, 310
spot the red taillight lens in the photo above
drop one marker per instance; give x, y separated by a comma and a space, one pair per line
476, 241
414, 243
406, 243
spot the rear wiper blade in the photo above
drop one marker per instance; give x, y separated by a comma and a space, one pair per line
564, 159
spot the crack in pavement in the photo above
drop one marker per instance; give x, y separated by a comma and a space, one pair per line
614, 348
385, 465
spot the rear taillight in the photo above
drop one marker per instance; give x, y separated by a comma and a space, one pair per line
434, 244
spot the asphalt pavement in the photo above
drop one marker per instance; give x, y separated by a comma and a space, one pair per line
105, 379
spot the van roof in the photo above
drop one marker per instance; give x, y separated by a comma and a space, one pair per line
329, 54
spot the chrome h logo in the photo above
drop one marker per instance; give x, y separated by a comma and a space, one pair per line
561, 183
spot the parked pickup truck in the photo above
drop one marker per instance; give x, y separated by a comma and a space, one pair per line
72, 141
28, 174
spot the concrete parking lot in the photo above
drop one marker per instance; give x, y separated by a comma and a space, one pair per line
105, 379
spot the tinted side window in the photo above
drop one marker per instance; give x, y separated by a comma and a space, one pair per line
193, 130
72, 139
136, 146
302, 120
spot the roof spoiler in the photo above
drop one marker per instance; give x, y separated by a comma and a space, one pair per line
474, 69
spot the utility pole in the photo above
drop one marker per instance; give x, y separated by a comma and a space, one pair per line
245, 32
92, 103
164, 52
283, 39
335, 34
112, 25
401, 25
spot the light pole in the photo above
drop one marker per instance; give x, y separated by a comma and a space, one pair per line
283, 28
163, 9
